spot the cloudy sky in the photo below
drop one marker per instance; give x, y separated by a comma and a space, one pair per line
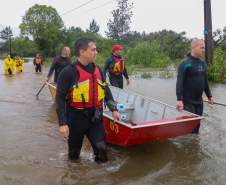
149, 15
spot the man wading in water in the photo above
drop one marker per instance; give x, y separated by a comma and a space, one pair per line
81, 90
115, 66
59, 63
38, 63
192, 81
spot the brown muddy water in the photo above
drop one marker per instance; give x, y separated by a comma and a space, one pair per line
33, 153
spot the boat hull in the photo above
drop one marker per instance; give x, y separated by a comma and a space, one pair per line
133, 134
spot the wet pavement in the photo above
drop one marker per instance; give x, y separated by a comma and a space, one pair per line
33, 153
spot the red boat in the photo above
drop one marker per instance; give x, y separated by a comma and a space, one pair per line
145, 120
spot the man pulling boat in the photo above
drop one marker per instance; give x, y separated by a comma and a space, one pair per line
81, 91
192, 81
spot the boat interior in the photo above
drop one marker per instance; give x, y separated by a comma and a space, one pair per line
138, 108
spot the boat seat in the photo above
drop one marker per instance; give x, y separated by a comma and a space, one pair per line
129, 107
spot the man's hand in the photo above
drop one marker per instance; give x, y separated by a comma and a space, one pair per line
180, 105
116, 115
64, 130
210, 100
127, 81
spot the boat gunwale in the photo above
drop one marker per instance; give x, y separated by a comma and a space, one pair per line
153, 124
48, 83
151, 99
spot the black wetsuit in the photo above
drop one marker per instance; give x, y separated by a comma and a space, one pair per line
115, 79
58, 64
38, 68
80, 121
191, 83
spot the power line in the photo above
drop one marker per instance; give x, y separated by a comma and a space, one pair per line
100, 6
73, 9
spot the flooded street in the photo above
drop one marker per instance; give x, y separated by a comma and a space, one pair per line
33, 153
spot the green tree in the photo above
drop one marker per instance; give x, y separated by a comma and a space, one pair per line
218, 37
71, 34
93, 27
223, 44
120, 24
173, 44
23, 46
6, 35
44, 24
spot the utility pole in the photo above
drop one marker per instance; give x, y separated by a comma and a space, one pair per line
208, 32
10, 34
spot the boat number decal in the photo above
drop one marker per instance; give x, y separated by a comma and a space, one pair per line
114, 127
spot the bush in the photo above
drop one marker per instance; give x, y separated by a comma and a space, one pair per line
100, 60
146, 75
217, 71
147, 54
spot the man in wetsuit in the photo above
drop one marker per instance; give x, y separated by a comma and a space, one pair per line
38, 63
115, 66
192, 81
81, 90
59, 63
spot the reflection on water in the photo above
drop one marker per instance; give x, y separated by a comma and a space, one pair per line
33, 153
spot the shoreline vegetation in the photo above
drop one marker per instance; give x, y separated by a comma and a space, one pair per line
216, 72
161, 51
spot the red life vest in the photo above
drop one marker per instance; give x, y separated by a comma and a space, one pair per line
118, 67
89, 89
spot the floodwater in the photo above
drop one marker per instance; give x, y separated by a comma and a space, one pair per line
33, 153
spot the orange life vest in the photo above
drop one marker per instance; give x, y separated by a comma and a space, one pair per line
118, 67
89, 89
38, 60
18, 62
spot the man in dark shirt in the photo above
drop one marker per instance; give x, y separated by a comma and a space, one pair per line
115, 67
81, 90
192, 81
59, 63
